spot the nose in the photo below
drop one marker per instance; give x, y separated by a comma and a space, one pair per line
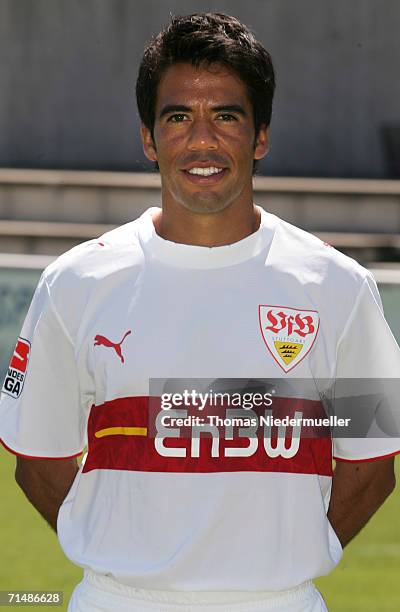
202, 136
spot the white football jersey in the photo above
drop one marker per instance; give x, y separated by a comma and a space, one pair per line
120, 322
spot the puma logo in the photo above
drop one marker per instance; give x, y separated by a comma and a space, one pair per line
103, 341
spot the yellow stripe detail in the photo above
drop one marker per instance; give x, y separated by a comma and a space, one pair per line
121, 431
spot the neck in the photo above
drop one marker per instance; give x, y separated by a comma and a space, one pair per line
177, 224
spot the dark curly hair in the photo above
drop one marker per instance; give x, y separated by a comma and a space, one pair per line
204, 39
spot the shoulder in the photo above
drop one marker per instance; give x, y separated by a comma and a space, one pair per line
99, 259
304, 255
311, 274
93, 272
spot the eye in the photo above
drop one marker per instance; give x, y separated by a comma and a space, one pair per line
227, 117
177, 118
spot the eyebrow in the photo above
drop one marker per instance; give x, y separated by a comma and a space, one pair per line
181, 108
174, 108
230, 108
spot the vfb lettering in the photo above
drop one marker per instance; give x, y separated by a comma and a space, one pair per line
302, 325
15, 377
280, 445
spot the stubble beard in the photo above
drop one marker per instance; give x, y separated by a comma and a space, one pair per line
205, 203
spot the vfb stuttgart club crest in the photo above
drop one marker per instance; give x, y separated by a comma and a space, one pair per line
289, 333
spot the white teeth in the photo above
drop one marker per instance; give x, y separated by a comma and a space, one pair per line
205, 171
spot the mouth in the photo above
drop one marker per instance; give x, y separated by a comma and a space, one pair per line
205, 175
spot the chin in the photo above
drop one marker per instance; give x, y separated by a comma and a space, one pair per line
205, 205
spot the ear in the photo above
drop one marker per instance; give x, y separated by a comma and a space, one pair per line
149, 146
262, 142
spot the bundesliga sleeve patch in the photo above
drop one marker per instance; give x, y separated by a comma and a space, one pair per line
15, 377
289, 333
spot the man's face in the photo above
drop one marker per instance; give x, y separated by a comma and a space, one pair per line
204, 138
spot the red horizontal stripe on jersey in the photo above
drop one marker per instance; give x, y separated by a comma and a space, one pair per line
139, 452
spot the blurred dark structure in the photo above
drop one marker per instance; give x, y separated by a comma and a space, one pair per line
68, 69
391, 139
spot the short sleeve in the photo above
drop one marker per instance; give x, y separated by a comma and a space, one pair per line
367, 381
41, 412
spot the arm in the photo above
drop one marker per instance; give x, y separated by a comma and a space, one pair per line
46, 483
358, 490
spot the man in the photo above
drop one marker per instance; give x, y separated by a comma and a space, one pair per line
212, 287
